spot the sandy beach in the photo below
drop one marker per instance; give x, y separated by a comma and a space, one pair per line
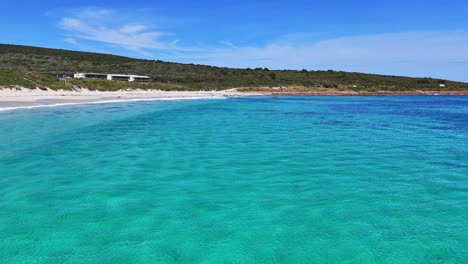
15, 98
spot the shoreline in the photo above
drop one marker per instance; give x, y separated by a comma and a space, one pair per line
22, 98
360, 93
10, 108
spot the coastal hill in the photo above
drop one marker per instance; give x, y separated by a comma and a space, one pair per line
31, 67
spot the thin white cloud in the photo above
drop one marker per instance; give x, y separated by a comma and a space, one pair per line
132, 29
95, 12
100, 25
70, 41
435, 54
228, 44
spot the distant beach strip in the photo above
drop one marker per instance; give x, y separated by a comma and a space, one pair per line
11, 99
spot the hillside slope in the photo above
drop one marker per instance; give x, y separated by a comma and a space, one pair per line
28, 66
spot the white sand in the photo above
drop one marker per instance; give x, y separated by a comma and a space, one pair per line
31, 98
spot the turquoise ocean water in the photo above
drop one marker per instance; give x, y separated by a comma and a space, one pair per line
243, 180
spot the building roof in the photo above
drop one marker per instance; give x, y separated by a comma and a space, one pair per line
91, 73
114, 74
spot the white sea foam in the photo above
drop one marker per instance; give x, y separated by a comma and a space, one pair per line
3, 109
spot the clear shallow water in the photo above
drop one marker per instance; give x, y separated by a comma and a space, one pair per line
247, 180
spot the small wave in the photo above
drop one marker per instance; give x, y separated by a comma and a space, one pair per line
3, 109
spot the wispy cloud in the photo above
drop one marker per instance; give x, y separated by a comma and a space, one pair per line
70, 41
100, 25
228, 44
408, 53
355, 50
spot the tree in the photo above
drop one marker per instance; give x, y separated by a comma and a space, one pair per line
273, 76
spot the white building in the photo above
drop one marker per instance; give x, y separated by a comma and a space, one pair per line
82, 75
118, 77
139, 78
112, 77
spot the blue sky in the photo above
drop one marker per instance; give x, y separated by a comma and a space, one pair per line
414, 38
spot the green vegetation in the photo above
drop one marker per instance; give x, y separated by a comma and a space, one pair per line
11, 78
28, 67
